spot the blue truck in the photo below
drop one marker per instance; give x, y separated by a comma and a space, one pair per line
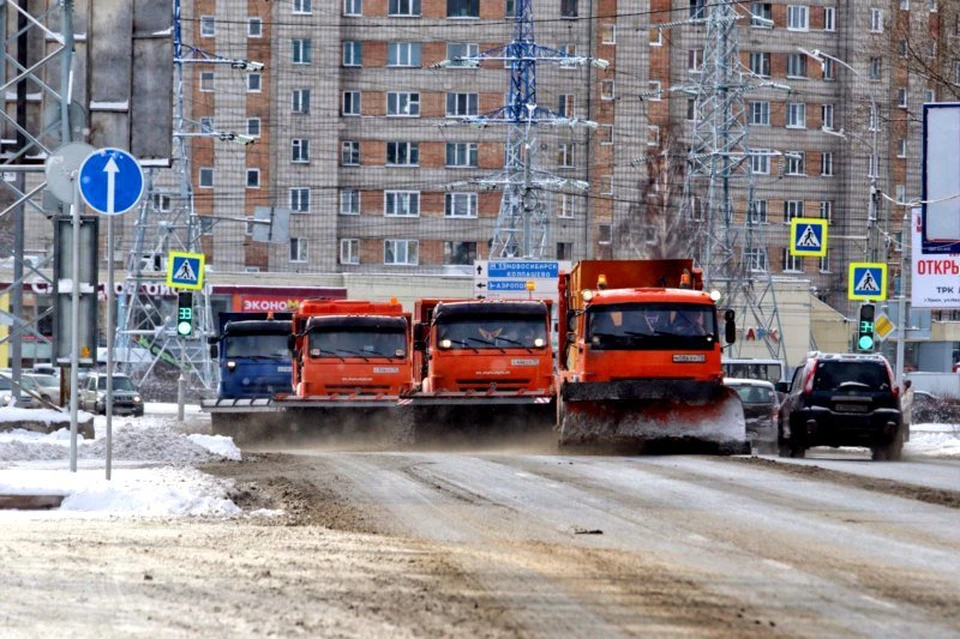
253, 353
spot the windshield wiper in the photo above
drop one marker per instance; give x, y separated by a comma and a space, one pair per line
354, 353
487, 342
327, 350
517, 342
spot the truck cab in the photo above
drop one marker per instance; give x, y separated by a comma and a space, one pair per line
254, 359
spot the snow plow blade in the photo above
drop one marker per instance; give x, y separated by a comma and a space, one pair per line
652, 416
477, 419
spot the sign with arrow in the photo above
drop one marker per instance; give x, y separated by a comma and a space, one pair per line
867, 281
185, 270
111, 181
512, 279
808, 237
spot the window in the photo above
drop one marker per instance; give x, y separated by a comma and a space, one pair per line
760, 161
606, 184
901, 191
460, 53
568, 8
876, 68
352, 53
826, 211
254, 82
758, 213
401, 203
792, 263
206, 178
302, 51
462, 104
206, 124
300, 150
604, 234
300, 101
792, 209
605, 134
608, 33
653, 135
565, 155
874, 119
904, 5
829, 19
794, 163
254, 28
401, 252
350, 153
403, 153
902, 98
253, 127
349, 251
163, 203
902, 48
876, 20
825, 262
873, 165
759, 113
406, 8
463, 8
829, 70
929, 96
691, 109
567, 206
351, 103
902, 148
350, 202
510, 9
298, 249
301, 6
956, 70
253, 178
654, 91
796, 115
760, 63
353, 7
403, 104
403, 54
206, 81
462, 154
565, 250
932, 5
567, 105
698, 9
761, 15
459, 253
248, 229
656, 36
826, 116
460, 204
607, 91
694, 60
826, 164
208, 27
798, 18
756, 259
796, 65
300, 199
206, 225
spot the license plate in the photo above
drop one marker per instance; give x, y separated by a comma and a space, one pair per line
381, 370
524, 362
852, 408
284, 369
689, 359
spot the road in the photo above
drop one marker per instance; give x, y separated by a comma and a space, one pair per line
509, 543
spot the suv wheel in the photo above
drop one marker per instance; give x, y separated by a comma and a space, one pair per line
891, 452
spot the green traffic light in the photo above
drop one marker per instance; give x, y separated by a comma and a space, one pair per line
184, 329
866, 343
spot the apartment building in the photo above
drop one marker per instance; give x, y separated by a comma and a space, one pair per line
356, 119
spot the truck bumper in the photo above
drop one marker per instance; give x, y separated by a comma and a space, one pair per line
474, 399
258, 405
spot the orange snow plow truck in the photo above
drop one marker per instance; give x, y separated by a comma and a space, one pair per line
639, 363
347, 354
481, 364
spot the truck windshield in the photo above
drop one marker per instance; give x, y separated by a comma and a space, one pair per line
365, 342
493, 332
650, 327
257, 346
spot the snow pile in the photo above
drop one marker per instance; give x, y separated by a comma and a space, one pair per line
935, 440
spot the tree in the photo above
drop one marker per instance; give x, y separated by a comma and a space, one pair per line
927, 44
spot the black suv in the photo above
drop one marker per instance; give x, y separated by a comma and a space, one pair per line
841, 400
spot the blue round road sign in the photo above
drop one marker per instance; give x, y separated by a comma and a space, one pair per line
111, 181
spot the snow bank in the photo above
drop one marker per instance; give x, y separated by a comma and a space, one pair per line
13, 415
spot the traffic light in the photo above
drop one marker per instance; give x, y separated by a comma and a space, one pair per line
865, 339
185, 314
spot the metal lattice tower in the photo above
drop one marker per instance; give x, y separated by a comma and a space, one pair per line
523, 223
718, 160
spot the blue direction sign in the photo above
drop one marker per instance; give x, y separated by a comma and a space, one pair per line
185, 270
808, 237
506, 285
111, 181
868, 281
523, 270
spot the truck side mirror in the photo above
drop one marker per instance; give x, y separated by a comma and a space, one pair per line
730, 326
292, 343
214, 351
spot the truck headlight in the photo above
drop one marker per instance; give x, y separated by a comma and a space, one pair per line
587, 295
539, 343
445, 343
231, 365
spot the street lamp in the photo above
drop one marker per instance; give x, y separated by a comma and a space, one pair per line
873, 244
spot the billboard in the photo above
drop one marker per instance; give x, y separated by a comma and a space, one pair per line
941, 179
936, 278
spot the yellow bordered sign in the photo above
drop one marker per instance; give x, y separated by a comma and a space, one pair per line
867, 281
808, 237
185, 270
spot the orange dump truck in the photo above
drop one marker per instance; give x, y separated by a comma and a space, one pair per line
347, 354
639, 361
481, 364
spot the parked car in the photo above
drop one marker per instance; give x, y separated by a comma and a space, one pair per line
760, 406
841, 400
126, 396
47, 386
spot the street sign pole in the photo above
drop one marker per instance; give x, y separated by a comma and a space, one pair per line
110, 330
75, 329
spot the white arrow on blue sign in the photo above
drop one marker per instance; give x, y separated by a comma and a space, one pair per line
111, 181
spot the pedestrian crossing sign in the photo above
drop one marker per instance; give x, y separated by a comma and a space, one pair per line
808, 237
185, 270
868, 281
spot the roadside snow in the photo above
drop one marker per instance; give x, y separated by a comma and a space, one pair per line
12, 414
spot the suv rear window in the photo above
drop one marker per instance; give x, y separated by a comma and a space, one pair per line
830, 375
